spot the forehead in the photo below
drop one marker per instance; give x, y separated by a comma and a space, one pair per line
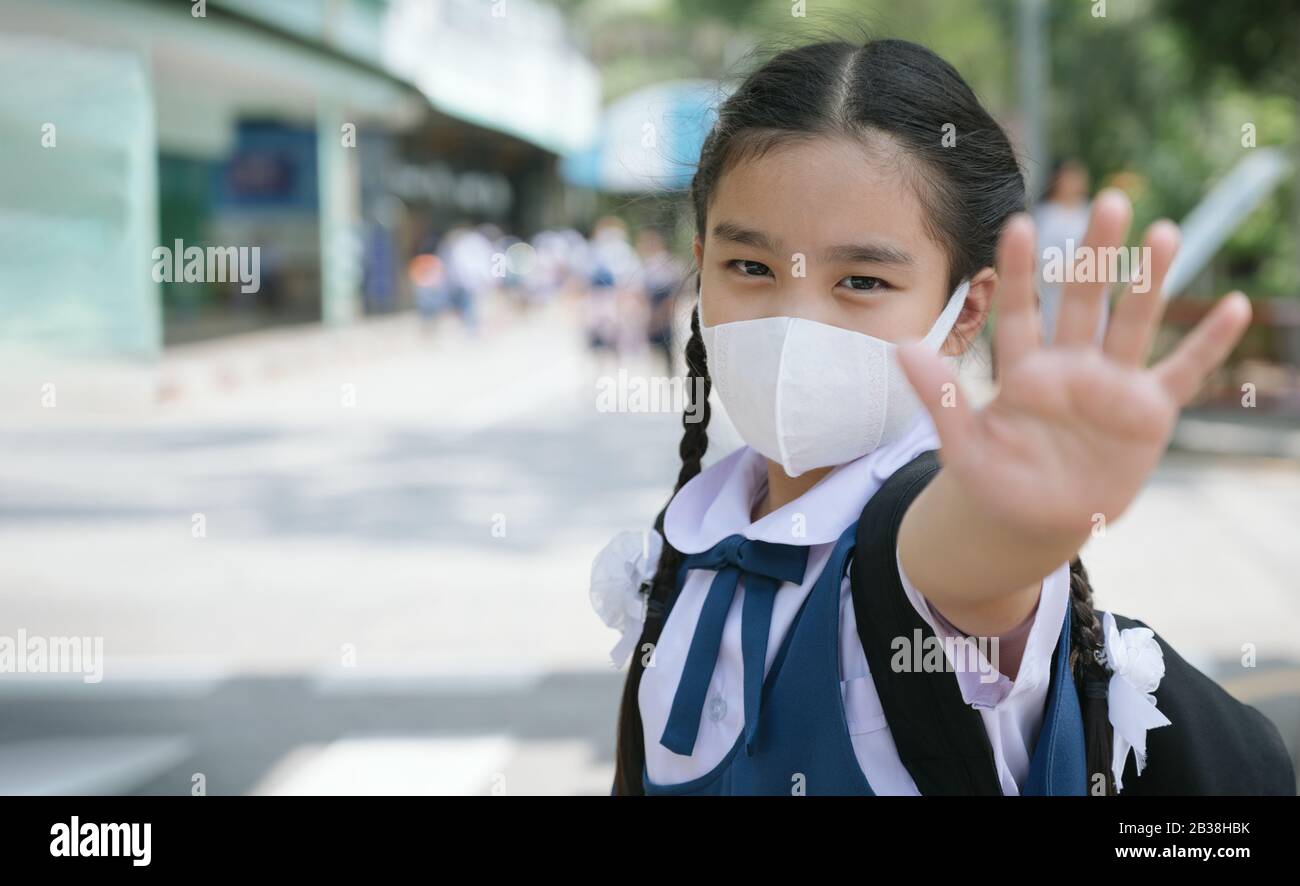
809, 193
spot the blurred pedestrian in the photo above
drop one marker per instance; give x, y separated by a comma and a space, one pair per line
547, 277
661, 275
613, 267
1062, 220
466, 255
428, 280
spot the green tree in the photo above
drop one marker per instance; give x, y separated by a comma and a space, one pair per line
1255, 46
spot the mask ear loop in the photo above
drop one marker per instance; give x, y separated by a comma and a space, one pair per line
938, 333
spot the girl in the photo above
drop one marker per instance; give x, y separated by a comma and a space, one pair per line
842, 606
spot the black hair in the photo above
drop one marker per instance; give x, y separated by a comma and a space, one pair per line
966, 176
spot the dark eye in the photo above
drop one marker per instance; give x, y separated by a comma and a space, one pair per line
861, 283
750, 268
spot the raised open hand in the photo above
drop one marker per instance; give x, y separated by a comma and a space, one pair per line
1075, 429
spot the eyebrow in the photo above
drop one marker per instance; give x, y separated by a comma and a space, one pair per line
866, 253
736, 234
869, 253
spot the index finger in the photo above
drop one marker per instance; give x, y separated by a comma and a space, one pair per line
1018, 326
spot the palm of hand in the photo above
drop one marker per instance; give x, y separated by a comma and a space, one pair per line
1075, 429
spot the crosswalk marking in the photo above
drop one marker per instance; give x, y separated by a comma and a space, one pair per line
391, 765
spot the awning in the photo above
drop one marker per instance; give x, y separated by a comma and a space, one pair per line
649, 140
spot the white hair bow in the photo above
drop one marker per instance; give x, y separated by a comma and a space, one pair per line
617, 573
1137, 666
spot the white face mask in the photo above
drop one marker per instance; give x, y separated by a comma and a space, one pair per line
808, 395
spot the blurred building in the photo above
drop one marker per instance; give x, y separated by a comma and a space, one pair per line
335, 136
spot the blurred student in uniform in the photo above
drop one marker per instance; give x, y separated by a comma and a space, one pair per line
661, 275
613, 270
1061, 217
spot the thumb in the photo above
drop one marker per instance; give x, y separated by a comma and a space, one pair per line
938, 391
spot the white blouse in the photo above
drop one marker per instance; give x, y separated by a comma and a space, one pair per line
718, 502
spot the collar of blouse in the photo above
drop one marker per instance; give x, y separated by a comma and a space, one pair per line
717, 502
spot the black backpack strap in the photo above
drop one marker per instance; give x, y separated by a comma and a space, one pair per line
941, 740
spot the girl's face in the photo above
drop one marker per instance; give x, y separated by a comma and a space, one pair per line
828, 230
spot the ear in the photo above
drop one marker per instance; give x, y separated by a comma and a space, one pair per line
698, 249
974, 313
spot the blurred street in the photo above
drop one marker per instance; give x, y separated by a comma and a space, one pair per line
328, 526
391, 596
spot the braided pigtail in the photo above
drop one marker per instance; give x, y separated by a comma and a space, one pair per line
1091, 678
630, 748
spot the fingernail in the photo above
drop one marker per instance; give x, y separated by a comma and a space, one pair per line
1113, 195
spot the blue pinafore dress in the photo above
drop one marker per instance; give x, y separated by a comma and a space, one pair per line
802, 743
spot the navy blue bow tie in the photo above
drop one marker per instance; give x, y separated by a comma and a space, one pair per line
765, 566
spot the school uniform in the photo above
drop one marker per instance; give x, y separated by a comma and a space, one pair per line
787, 663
